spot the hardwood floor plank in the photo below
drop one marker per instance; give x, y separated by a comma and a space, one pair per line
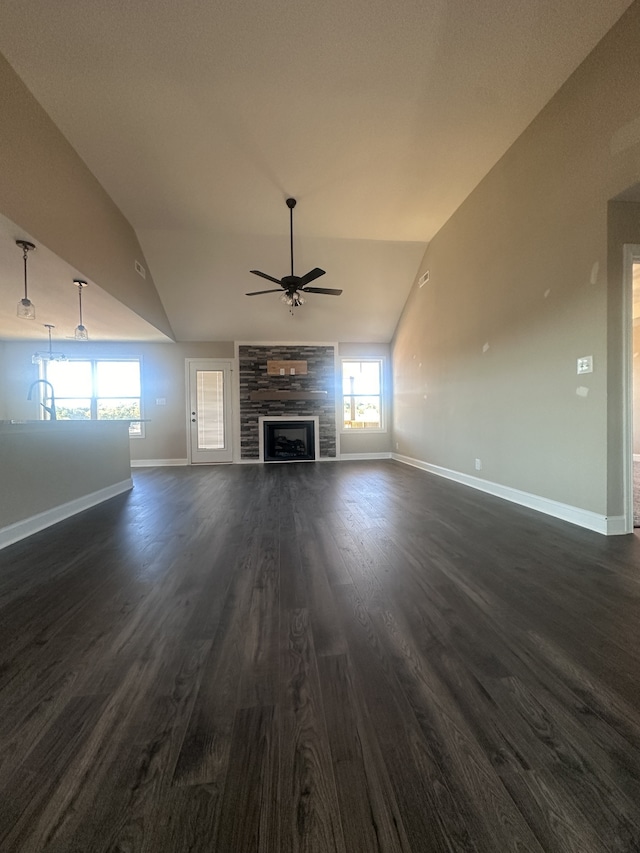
309, 813
259, 683
429, 814
249, 820
369, 813
25, 794
204, 754
328, 636
187, 820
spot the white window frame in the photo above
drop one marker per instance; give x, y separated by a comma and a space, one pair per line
94, 400
364, 430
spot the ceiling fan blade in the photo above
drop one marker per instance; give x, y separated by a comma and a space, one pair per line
268, 277
312, 275
327, 290
258, 292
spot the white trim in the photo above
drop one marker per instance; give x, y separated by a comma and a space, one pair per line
616, 525
631, 254
28, 526
239, 344
573, 514
350, 457
636, 457
157, 463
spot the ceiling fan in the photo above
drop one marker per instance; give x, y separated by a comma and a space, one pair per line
294, 286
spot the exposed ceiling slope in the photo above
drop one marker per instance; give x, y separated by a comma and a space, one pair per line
199, 119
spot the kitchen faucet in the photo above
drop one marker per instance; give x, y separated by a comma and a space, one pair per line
52, 408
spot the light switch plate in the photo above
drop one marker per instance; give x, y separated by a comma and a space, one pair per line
585, 364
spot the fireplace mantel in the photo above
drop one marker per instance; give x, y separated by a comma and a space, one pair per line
263, 396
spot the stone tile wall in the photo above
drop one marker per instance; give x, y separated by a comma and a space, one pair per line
253, 377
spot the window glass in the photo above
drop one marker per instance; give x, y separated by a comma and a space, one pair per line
361, 377
97, 389
73, 409
361, 394
70, 378
118, 379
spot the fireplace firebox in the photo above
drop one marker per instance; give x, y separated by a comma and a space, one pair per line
288, 439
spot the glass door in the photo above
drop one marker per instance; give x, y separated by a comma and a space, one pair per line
209, 411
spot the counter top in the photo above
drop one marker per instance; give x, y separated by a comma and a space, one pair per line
11, 425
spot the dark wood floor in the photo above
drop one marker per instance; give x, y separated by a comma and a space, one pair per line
318, 657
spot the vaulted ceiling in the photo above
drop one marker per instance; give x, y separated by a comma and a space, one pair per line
200, 119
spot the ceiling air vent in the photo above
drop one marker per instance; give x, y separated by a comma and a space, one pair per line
424, 278
140, 269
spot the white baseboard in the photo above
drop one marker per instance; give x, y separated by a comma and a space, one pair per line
27, 527
582, 517
157, 463
617, 525
350, 457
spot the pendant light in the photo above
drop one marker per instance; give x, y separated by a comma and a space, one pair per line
26, 308
81, 333
39, 357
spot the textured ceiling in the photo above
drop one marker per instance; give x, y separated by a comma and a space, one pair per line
200, 118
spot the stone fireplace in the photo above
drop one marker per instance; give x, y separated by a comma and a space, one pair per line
291, 394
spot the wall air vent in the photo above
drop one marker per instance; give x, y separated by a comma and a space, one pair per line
424, 278
140, 269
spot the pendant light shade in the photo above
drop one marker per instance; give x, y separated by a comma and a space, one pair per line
26, 308
81, 333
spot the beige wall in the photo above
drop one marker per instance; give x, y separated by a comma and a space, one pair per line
163, 376
47, 189
521, 285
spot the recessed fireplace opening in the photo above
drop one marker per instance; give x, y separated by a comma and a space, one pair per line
289, 439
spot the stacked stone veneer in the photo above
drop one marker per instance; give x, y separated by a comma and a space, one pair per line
253, 377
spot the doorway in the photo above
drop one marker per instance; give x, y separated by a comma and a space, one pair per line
209, 411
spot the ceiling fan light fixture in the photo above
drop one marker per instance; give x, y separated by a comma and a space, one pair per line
26, 309
81, 333
293, 299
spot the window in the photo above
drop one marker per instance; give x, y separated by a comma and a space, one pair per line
362, 394
97, 389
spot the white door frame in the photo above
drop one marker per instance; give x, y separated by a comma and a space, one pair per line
631, 256
226, 365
